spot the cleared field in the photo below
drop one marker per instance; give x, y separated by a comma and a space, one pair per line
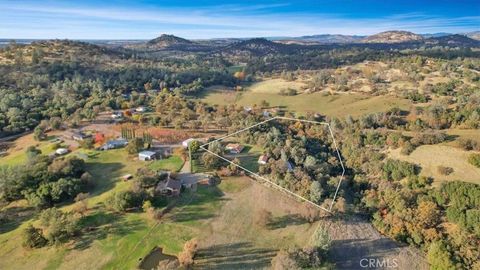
340, 105
429, 157
274, 86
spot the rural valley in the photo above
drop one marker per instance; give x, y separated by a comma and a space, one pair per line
307, 152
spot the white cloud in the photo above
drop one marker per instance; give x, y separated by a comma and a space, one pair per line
215, 21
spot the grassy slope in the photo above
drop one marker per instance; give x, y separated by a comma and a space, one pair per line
16, 153
119, 241
429, 157
332, 105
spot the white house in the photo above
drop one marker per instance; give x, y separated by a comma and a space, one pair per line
141, 109
61, 151
147, 155
117, 115
113, 144
262, 159
187, 142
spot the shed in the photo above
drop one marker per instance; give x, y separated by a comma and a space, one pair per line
113, 144
79, 136
262, 159
147, 155
61, 151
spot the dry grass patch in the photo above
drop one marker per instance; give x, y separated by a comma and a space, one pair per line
430, 157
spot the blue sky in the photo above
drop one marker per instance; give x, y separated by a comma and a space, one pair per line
121, 19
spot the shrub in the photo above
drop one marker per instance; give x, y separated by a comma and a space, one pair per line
396, 169
33, 237
87, 143
59, 226
187, 255
467, 144
263, 217
122, 201
444, 170
283, 260
407, 148
474, 159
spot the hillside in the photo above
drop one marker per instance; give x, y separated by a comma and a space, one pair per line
392, 37
165, 41
251, 48
453, 40
170, 43
473, 35
56, 50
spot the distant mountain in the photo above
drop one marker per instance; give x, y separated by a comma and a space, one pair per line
392, 37
453, 40
251, 48
440, 34
473, 35
165, 41
258, 46
327, 38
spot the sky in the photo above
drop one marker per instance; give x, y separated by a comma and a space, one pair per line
201, 19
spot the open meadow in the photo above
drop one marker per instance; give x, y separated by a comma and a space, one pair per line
337, 105
430, 157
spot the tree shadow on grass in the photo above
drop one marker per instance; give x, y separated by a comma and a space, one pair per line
241, 255
347, 253
104, 175
197, 205
100, 224
285, 221
14, 217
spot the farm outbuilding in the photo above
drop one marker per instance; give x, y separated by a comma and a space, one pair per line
234, 148
113, 144
147, 155
61, 151
262, 159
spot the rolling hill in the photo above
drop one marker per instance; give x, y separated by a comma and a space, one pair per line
392, 37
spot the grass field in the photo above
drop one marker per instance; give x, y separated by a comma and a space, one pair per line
274, 86
120, 241
429, 157
16, 153
173, 163
338, 105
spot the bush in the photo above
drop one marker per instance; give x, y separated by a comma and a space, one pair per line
407, 148
187, 255
59, 226
444, 170
123, 200
396, 169
468, 144
33, 237
474, 159
87, 143
288, 92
